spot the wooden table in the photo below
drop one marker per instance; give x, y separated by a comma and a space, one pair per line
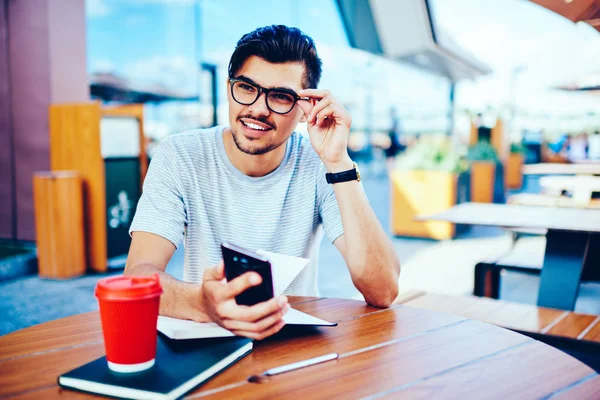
397, 352
583, 168
572, 242
549, 200
581, 187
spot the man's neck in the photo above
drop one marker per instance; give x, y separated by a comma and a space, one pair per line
252, 165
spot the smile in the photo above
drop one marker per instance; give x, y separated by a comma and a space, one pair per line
256, 126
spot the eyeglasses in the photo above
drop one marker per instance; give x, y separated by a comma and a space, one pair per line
279, 100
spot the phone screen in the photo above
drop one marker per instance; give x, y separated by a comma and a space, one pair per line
238, 261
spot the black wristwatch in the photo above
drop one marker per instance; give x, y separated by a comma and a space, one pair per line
344, 176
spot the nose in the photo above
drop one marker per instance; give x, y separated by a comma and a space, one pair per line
259, 107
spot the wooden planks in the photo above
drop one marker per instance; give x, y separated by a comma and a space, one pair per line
71, 331
572, 325
586, 389
521, 317
592, 332
396, 364
59, 219
75, 145
549, 370
382, 352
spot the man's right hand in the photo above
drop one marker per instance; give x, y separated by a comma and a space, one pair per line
257, 321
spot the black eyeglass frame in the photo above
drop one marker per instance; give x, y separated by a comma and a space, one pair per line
261, 90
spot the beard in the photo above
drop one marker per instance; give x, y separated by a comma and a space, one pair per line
241, 141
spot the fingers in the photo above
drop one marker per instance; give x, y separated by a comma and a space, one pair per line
215, 273
260, 310
266, 333
324, 114
314, 93
318, 108
259, 325
306, 106
240, 284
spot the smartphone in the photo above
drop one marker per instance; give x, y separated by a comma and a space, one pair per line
238, 261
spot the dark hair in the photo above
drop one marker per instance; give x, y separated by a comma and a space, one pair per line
279, 44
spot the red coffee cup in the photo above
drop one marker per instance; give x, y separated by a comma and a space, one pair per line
129, 312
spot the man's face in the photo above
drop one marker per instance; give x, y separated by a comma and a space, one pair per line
256, 129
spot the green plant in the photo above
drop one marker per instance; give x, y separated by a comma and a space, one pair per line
517, 147
432, 154
482, 151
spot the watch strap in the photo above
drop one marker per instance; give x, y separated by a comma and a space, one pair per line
344, 176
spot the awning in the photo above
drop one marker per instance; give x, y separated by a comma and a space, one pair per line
587, 82
405, 30
575, 10
111, 87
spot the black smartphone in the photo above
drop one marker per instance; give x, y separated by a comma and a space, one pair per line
239, 261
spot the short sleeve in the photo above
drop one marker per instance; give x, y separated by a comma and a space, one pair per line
329, 211
161, 209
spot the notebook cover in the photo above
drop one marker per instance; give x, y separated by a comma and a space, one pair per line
177, 362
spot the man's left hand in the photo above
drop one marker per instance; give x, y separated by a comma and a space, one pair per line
328, 128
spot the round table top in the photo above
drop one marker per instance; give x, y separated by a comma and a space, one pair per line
396, 352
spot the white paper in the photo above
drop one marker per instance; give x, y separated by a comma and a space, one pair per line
295, 317
184, 329
284, 270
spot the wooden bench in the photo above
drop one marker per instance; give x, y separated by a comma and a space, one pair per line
525, 257
524, 318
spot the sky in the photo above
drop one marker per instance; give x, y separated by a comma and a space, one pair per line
530, 49
526, 45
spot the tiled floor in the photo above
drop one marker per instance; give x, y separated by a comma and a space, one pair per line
442, 267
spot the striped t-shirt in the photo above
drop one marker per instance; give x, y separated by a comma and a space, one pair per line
192, 192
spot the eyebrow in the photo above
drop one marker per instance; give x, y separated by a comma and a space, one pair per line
245, 78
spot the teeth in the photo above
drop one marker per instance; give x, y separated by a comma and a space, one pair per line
254, 126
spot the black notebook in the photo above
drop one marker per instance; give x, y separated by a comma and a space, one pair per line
180, 366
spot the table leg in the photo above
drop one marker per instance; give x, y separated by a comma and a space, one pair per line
591, 268
563, 263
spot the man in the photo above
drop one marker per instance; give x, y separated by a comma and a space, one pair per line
259, 185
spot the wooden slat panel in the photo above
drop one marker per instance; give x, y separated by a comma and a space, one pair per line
523, 317
395, 364
70, 331
572, 325
587, 390
75, 145
547, 370
59, 219
594, 333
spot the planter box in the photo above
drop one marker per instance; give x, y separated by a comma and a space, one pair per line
483, 179
513, 174
17, 259
416, 193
